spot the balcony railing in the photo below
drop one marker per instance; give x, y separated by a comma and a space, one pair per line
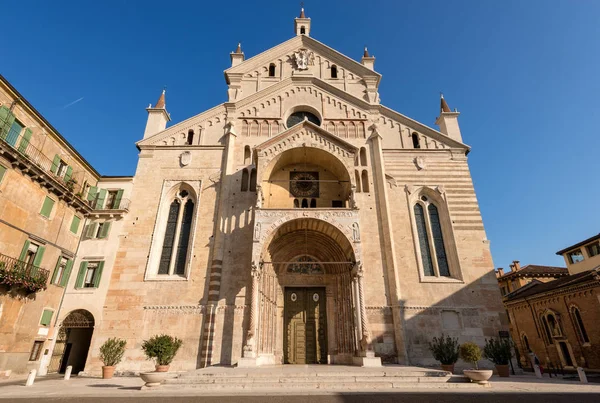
117, 204
16, 273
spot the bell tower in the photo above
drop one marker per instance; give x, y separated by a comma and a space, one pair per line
157, 117
302, 24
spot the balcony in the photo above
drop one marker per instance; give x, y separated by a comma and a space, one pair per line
113, 208
32, 162
18, 274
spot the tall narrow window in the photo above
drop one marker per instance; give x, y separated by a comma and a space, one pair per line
296, 203
547, 330
272, 70
167, 249
304, 203
313, 203
363, 156
579, 324
184, 237
253, 180
302, 31
247, 155
357, 177
190, 137
438, 240
415, 140
423, 241
365, 181
526, 342
334, 71
244, 180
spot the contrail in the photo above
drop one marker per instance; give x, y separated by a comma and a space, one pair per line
72, 103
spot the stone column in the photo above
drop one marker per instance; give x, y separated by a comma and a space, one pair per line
366, 356
250, 349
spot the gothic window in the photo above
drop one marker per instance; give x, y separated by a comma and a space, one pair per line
583, 336
247, 155
334, 71
415, 140
365, 181
313, 203
272, 70
547, 332
363, 156
177, 235
526, 343
253, 180
304, 203
423, 240
553, 324
190, 138
245, 180
298, 117
438, 240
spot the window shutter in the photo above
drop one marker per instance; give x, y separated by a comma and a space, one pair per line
46, 317
104, 231
65, 278
24, 250
118, 198
55, 162
91, 230
68, 173
47, 207
2, 172
39, 256
98, 274
81, 275
75, 224
92, 193
53, 281
6, 121
100, 199
25, 141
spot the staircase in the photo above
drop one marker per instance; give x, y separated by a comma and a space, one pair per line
317, 377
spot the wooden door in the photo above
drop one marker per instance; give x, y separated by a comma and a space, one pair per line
305, 326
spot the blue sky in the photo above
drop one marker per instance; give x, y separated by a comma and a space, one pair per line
523, 74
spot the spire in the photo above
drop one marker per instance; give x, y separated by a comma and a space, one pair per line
366, 53
443, 104
239, 48
302, 13
237, 57
302, 23
160, 104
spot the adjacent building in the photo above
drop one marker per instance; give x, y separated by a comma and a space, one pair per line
519, 276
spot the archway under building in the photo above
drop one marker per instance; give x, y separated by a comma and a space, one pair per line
72, 342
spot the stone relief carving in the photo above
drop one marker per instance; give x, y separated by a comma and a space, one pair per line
304, 58
185, 158
420, 163
257, 231
355, 232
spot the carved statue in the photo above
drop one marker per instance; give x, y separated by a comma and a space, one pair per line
256, 232
352, 198
259, 196
355, 232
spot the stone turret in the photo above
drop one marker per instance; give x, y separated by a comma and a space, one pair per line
302, 24
448, 121
157, 117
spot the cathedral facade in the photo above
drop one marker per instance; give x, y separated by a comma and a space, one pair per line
299, 222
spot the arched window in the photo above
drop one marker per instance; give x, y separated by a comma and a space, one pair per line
526, 343
302, 31
272, 70
365, 181
334, 72
547, 331
357, 177
438, 240
296, 203
304, 203
190, 137
583, 336
363, 156
415, 140
313, 203
244, 180
553, 324
247, 155
298, 117
253, 180
423, 240
178, 231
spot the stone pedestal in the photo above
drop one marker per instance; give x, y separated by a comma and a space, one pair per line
369, 362
247, 362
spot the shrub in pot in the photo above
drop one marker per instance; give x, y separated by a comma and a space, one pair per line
499, 351
445, 350
162, 349
111, 353
470, 352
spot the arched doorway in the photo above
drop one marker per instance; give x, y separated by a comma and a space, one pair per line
72, 342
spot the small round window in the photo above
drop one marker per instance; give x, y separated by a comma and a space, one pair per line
298, 117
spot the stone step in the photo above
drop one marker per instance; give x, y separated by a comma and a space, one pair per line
370, 374
307, 379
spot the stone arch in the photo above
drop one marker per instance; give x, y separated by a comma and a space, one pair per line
74, 336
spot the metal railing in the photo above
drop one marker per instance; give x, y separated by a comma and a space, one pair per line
117, 204
15, 272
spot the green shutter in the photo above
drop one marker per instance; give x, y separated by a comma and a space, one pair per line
68, 173
47, 207
98, 274
118, 198
92, 193
100, 199
55, 163
39, 256
75, 224
25, 141
2, 172
24, 250
46, 317
91, 230
6, 121
104, 231
65, 278
53, 281
81, 275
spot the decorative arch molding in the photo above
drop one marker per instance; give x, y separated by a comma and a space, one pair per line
170, 189
79, 318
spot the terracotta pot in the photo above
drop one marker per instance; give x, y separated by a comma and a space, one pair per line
107, 372
503, 371
162, 368
478, 375
449, 368
153, 379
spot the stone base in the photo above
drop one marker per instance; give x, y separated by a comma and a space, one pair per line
369, 362
247, 362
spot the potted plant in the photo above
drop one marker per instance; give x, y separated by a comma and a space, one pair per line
162, 349
499, 351
111, 353
445, 350
470, 352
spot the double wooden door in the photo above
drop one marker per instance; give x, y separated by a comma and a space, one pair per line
305, 326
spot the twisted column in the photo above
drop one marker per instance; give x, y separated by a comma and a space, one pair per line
250, 348
365, 341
